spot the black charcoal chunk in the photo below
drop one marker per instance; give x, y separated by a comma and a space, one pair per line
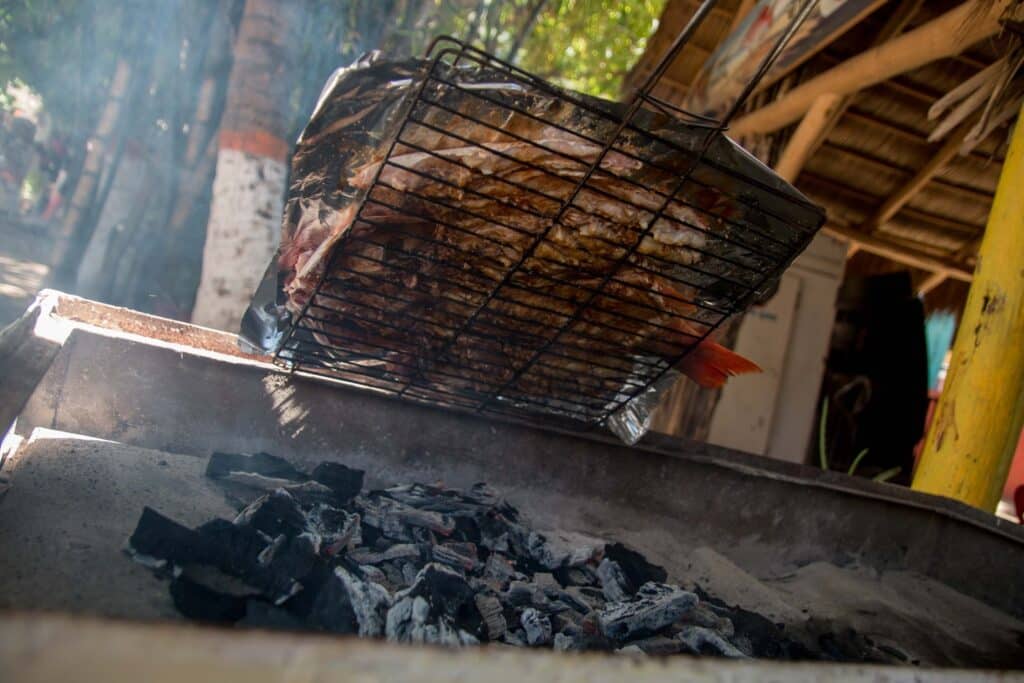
162, 538
345, 482
537, 626
554, 550
204, 604
525, 594
577, 576
446, 591
221, 465
395, 552
331, 610
499, 568
703, 641
456, 554
634, 566
703, 615
275, 514
614, 584
261, 614
659, 645
654, 607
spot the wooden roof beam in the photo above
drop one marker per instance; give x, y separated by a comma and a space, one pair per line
886, 165
898, 199
944, 36
895, 251
827, 109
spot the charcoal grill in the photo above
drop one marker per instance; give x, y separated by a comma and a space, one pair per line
571, 348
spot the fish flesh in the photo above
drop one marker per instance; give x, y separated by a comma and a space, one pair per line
444, 231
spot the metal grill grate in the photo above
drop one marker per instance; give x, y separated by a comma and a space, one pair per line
526, 251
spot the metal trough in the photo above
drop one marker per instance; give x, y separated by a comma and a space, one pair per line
858, 552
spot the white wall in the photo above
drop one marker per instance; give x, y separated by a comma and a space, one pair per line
772, 413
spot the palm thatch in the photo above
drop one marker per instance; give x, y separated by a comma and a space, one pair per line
881, 140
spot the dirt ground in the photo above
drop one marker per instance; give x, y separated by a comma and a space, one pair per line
25, 248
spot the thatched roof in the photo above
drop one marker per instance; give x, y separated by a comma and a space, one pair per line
877, 145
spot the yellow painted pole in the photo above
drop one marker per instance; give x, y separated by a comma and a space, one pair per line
974, 433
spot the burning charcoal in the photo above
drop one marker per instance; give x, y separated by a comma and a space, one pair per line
198, 602
613, 581
565, 643
345, 482
492, 614
159, 537
221, 465
462, 555
634, 566
701, 641
369, 602
553, 550
537, 627
274, 514
395, 552
659, 645
260, 614
654, 607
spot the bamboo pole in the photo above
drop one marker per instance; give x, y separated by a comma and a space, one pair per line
944, 36
808, 136
827, 109
978, 420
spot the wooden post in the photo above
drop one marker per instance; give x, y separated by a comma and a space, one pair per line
944, 36
978, 420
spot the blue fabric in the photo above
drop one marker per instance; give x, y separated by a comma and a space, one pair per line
938, 332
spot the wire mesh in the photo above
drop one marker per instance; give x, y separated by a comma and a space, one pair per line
541, 262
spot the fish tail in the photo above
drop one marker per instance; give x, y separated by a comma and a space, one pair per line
711, 364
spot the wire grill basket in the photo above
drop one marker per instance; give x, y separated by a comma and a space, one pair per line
527, 251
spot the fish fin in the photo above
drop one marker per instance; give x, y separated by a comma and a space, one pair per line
711, 364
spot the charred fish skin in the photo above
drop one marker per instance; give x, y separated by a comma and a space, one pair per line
429, 240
